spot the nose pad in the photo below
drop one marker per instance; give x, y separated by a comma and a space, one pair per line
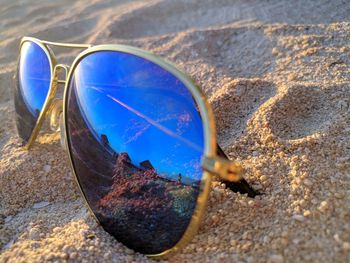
62, 131
55, 113
56, 120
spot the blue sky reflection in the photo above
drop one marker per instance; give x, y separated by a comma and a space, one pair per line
143, 110
34, 76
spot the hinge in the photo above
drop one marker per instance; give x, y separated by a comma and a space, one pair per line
225, 169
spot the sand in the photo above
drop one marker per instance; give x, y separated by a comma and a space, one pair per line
277, 76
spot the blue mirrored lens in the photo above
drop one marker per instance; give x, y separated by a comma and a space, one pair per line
34, 76
32, 85
136, 141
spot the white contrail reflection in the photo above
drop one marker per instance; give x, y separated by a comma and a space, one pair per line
154, 123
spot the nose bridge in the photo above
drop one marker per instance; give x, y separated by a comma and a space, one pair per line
58, 68
55, 78
56, 107
52, 101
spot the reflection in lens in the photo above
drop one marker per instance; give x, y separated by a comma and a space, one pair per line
136, 140
32, 85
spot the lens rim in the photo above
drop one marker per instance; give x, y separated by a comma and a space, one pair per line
208, 125
51, 92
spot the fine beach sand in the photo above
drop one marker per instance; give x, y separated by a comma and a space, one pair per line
277, 74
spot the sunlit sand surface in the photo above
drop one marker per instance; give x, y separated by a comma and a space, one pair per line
277, 76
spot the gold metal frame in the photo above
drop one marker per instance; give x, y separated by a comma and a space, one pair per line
211, 163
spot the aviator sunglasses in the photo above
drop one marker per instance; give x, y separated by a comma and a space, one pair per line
139, 135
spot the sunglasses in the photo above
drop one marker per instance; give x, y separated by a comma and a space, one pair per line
139, 134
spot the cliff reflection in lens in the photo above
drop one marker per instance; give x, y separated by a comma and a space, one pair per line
32, 86
136, 141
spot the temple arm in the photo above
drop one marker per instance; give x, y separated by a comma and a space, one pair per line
242, 186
